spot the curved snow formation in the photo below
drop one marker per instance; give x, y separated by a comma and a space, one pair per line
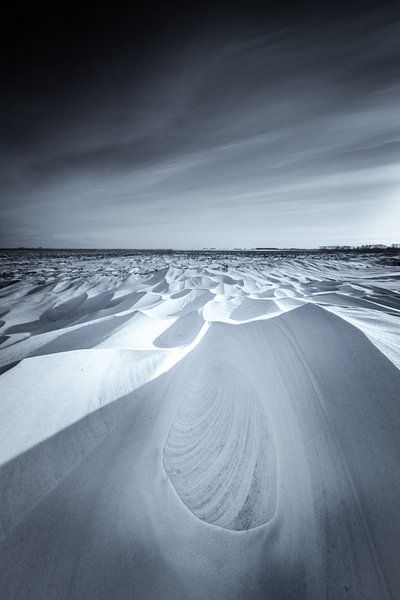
220, 454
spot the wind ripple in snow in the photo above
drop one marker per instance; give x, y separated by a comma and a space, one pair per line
220, 455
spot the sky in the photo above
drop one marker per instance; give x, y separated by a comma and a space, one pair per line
191, 125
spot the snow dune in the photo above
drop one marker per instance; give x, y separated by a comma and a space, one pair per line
211, 429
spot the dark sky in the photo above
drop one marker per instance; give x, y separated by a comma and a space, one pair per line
270, 124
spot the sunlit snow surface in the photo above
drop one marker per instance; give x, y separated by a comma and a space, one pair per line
199, 425
50, 300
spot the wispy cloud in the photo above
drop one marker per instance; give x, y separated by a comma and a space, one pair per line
289, 136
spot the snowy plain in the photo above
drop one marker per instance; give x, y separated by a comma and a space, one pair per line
199, 426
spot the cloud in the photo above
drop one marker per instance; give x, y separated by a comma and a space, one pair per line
289, 133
